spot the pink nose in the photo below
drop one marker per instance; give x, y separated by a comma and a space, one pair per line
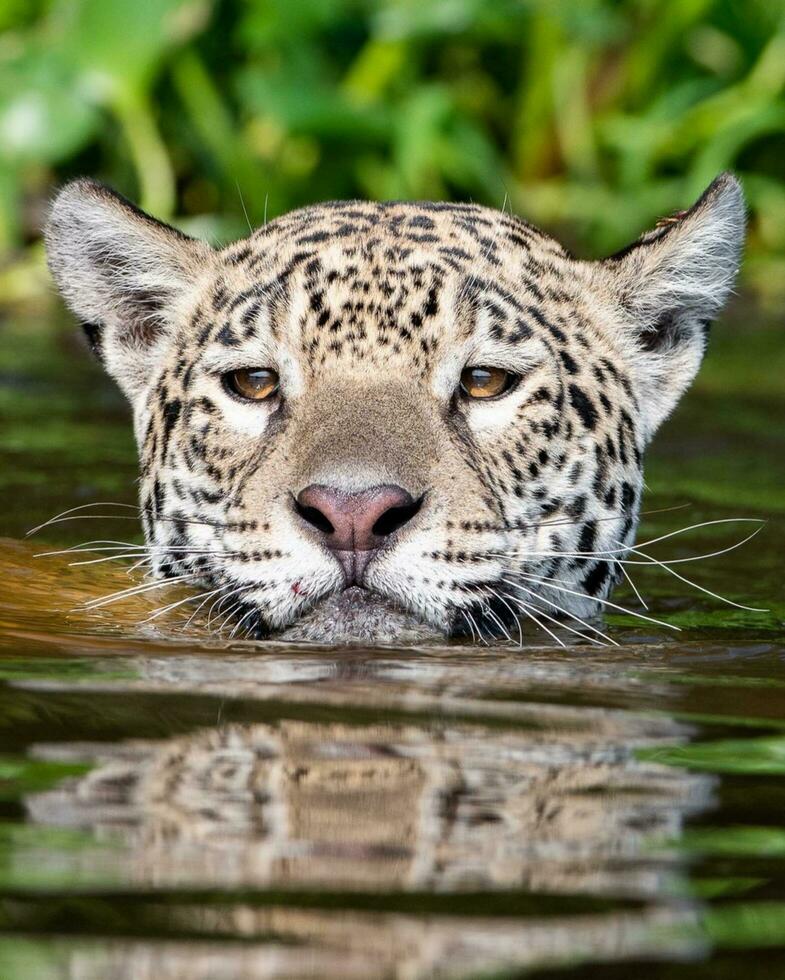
354, 525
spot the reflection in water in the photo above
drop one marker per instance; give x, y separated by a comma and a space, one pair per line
349, 945
421, 820
382, 808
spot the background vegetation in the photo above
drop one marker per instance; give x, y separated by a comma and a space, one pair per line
592, 118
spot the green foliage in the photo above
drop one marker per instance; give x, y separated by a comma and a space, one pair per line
19, 776
592, 118
744, 926
750, 756
737, 841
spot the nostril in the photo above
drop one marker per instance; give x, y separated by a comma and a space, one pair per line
395, 517
314, 517
358, 521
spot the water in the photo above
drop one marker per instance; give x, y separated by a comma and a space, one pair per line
175, 806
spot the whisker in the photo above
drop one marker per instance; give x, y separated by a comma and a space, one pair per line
522, 525
135, 590
161, 554
468, 622
473, 626
650, 560
548, 583
617, 515
625, 549
632, 585
246, 587
700, 588
99, 561
72, 510
233, 610
82, 517
527, 611
105, 545
696, 527
205, 599
109, 545
240, 623
564, 612
557, 622
221, 525
487, 611
514, 614
682, 561
143, 561
204, 596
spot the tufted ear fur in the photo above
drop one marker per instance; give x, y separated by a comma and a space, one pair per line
671, 283
124, 274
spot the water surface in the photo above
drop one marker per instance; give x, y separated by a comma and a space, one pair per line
177, 804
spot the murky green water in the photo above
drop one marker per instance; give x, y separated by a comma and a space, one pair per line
175, 807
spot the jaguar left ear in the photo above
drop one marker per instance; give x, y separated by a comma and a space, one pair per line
124, 274
670, 284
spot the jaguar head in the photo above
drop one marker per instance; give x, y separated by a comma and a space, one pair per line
394, 421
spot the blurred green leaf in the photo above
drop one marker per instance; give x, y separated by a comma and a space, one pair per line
20, 775
592, 119
746, 926
752, 756
734, 841
43, 118
119, 46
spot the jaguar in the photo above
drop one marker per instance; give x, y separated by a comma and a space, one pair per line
397, 421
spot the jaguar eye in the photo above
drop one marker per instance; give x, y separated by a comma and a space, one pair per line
255, 384
486, 382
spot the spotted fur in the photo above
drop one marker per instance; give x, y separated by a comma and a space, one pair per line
369, 312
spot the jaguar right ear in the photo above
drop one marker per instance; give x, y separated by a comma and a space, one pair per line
669, 285
124, 274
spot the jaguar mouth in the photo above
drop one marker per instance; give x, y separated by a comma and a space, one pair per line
357, 616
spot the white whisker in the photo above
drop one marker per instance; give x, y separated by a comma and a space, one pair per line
93, 546
515, 615
552, 619
700, 588
205, 598
178, 555
247, 587
632, 585
492, 615
73, 510
469, 622
135, 590
527, 611
626, 549
564, 612
181, 602
240, 623
548, 583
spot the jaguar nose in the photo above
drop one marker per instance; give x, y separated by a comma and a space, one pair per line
354, 525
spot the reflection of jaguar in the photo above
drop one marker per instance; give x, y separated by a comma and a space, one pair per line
390, 808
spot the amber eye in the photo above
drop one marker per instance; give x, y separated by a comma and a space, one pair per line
255, 384
485, 382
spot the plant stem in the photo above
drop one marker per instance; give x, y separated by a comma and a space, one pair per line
151, 159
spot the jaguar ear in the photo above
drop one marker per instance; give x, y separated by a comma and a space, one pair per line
124, 274
670, 284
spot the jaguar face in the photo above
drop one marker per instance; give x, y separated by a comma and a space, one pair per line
398, 421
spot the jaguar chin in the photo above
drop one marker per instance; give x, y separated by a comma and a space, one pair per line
357, 615
393, 422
